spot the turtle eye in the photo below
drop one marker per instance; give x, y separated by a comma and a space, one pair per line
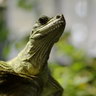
43, 20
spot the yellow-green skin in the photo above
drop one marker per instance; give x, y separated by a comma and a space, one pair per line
28, 73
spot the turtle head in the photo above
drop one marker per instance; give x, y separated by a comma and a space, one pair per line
47, 28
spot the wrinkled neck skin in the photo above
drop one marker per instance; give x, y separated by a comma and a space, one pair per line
32, 60
37, 52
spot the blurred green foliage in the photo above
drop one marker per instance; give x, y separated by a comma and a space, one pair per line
78, 78
4, 46
25, 4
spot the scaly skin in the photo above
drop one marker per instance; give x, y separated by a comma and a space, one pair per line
28, 73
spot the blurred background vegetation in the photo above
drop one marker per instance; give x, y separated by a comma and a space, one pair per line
73, 58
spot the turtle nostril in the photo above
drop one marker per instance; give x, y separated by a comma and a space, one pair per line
58, 16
